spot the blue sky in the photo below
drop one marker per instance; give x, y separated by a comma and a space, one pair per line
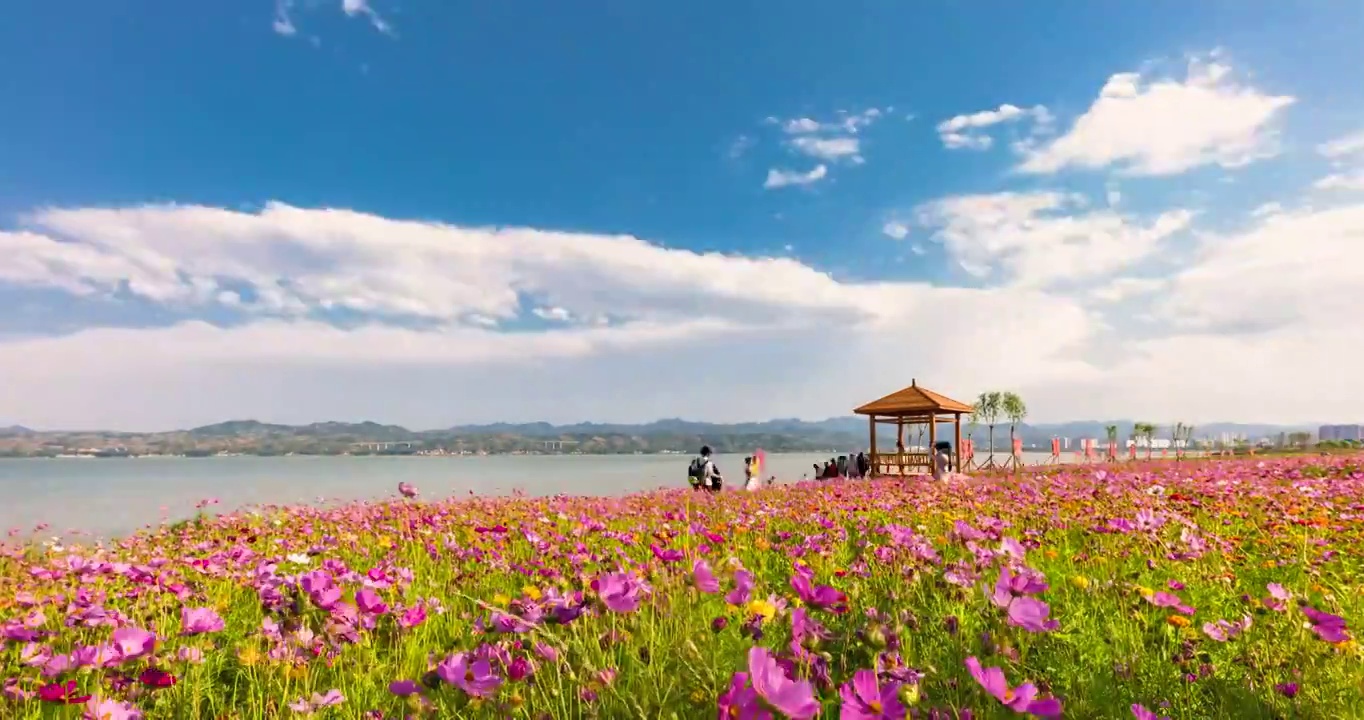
291, 204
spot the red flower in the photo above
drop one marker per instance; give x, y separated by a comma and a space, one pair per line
154, 678
62, 693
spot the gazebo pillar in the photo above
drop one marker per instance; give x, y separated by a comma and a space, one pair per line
956, 448
932, 438
871, 427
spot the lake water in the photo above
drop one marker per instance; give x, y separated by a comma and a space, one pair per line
109, 497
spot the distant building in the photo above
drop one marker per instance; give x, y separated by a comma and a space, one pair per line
1340, 432
1065, 443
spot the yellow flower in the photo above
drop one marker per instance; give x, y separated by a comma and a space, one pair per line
500, 599
762, 608
1050, 554
531, 592
1144, 591
1080, 582
248, 656
1178, 621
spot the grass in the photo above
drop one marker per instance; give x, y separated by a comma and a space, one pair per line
1140, 563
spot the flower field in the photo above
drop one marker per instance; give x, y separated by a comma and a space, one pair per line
1212, 589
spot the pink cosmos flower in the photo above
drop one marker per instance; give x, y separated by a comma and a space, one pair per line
101, 709
794, 699
740, 701
866, 699
307, 706
743, 588
1328, 627
131, 643
194, 621
1022, 699
369, 602
619, 592
703, 578
1141, 713
1031, 614
474, 676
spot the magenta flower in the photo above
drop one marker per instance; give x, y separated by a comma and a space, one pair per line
1022, 699
131, 643
307, 706
741, 701
865, 699
100, 709
1163, 599
1278, 597
1328, 627
1141, 713
412, 617
743, 588
667, 555
1031, 614
474, 676
403, 688
816, 596
369, 602
407, 490
1224, 630
194, 621
794, 699
703, 578
619, 592
65, 693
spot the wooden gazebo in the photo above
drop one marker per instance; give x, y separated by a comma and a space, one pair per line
910, 407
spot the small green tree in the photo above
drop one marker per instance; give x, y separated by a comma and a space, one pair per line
1112, 432
988, 407
1013, 408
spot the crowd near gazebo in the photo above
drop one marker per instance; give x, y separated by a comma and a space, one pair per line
919, 409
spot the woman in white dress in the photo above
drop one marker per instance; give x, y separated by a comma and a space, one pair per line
752, 479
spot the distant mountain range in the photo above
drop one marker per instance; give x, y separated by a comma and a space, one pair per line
833, 432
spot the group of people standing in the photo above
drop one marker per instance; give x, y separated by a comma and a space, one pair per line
702, 474
844, 466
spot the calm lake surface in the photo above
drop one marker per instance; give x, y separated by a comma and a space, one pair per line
109, 497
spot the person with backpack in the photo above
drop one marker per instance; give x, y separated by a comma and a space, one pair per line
702, 474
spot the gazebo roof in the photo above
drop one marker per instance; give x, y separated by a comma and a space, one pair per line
913, 400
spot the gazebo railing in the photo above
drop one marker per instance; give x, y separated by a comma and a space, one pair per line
901, 463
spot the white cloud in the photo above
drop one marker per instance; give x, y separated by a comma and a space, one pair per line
963, 131
782, 178
284, 24
1166, 126
1043, 238
1352, 144
845, 123
896, 229
553, 313
698, 335
1290, 267
1269, 208
741, 145
1347, 156
284, 16
679, 314
1341, 181
801, 125
354, 8
832, 142
829, 149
